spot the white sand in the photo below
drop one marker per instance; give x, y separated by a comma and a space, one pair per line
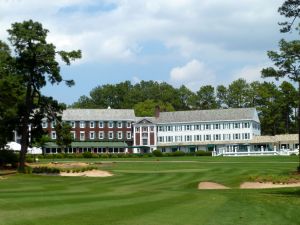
90, 173
211, 185
258, 185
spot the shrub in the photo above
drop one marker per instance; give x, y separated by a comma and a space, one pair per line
104, 156
45, 169
157, 153
178, 153
203, 153
8, 157
87, 155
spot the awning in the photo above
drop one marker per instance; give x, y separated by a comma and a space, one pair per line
89, 144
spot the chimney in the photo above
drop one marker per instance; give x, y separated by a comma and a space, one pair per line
157, 111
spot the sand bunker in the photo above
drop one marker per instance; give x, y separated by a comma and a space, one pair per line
258, 185
211, 185
90, 173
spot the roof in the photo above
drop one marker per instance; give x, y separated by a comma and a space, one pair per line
208, 115
98, 114
89, 144
286, 137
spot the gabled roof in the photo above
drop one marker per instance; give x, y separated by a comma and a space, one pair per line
143, 120
208, 115
98, 114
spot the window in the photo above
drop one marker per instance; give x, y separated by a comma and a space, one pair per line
145, 129
53, 124
188, 127
92, 124
92, 135
160, 128
82, 136
169, 138
152, 128
188, 138
216, 126
237, 125
197, 127
247, 136
236, 136
101, 135
128, 125
53, 135
246, 125
161, 139
128, 135
73, 135
207, 137
73, 124
110, 124
145, 141
82, 124
207, 126
137, 129
217, 137
197, 137
44, 124
101, 124
120, 124
110, 135
120, 136
169, 128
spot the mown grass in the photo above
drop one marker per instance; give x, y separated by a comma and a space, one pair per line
154, 192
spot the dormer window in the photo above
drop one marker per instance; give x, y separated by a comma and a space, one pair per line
82, 124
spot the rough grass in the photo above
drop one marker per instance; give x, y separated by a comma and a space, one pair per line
154, 192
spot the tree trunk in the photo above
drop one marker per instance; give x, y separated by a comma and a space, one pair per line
299, 124
24, 129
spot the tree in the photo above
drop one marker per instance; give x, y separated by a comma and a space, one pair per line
289, 9
287, 64
147, 108
238, 94
206, 98
11, 93
35, 61
64, 137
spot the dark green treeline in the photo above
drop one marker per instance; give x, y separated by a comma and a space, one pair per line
276, 104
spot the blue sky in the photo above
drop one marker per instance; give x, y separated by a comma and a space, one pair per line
190, 42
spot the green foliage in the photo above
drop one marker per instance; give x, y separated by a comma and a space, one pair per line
203, 153
157, 153
34, 62
147, 108
8, 157
45, 169
64, 137
87, 155
178, 153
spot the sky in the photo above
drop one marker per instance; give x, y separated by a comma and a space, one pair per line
182, 42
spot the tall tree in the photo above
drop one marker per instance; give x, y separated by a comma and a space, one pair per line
36, 63
287, 64
206, 98
238, 94
11, 94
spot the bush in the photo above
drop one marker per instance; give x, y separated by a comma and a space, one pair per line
178, 153
87, 155
8, 157
157, 153
45, 169
203, 153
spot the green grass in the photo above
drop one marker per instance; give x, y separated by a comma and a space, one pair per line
151, 192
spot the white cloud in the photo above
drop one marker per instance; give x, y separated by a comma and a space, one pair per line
190, 27
249, 73
194, 74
